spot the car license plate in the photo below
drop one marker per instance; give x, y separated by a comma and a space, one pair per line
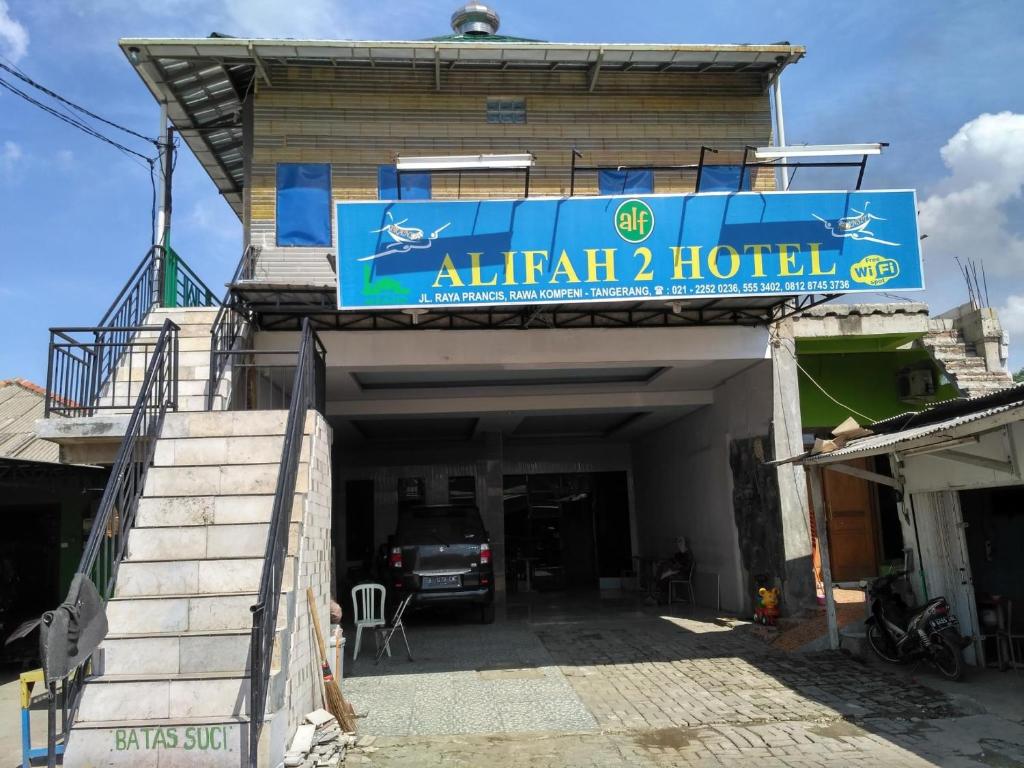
441, 582
940, 622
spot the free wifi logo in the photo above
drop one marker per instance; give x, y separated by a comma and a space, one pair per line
875, 270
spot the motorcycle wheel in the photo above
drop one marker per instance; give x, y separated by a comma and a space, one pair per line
882, 645
946, 658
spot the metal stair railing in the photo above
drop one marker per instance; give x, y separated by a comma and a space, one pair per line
229, 325
307, 393
83, 361
115, 517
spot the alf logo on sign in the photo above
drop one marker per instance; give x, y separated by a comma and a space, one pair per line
634, 221
456, 253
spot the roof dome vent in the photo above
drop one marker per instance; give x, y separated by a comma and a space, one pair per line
475, 20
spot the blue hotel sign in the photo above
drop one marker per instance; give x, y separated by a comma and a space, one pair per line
652, 247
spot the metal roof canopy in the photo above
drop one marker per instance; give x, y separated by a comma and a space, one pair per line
942, 427
204, 81
282, 307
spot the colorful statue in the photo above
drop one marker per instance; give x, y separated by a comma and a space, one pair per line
767, 610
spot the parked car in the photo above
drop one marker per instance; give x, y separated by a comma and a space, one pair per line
442, 554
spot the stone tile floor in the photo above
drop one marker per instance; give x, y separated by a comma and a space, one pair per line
600, 685
465, 679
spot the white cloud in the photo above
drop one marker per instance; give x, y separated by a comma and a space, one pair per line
10, 159
1011, 315
13, 36
64, 159
968, 215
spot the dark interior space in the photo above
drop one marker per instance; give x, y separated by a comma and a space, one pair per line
29, 568
890, 533
565, 531
358, 529
994, 532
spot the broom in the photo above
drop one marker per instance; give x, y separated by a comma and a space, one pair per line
335, 702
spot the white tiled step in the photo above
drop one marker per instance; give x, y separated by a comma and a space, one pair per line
224, 424
177, 653
228, 480
177, 511
181, 742
125, 388
254, 449
198, 542
183, 613
191, 577
110, 697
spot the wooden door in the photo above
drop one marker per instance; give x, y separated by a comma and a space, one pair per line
852, 528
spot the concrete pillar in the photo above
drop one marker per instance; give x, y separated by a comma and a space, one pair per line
492, 502
821, 520
787, 433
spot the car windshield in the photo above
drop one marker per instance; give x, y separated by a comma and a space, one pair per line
442, 525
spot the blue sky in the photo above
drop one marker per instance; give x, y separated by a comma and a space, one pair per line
939, 80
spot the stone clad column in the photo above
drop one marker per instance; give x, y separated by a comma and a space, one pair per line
787, 434
492, 502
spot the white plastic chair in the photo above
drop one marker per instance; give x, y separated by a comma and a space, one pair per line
367, 611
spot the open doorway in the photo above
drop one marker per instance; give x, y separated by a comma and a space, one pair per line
566, 530
994, 519
359, 534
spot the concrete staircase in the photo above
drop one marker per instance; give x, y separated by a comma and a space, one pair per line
966, 369
193, 362
172, 685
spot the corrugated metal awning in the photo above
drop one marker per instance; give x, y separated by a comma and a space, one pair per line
966, 417
21, 403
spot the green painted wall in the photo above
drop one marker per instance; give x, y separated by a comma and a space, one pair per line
866, 382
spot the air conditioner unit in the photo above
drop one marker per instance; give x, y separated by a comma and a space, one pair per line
915, 383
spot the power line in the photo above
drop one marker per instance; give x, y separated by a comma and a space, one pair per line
38, 86
85, 128
774, 334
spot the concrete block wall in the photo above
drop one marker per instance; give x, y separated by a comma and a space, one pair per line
683, 484
310, 545
358, 119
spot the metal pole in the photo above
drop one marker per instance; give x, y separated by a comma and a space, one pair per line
161, 214
743, 169
572, 172
159, 224
780, 127
821, 524
168, 269
700, 165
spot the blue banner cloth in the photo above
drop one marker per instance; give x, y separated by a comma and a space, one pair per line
723, 178
415, 186
304, 204
626, 182
606, 249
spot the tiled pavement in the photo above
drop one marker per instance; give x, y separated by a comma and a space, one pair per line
636, 689
466, 679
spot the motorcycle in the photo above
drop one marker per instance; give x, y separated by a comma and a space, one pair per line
898, 633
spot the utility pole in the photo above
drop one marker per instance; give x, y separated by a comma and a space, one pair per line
780, 127
167, 266
158, 224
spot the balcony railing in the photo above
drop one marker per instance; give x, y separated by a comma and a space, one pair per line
101, 367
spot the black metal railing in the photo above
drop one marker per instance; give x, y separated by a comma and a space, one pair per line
99, 367
95, 369
307, 392
115, 517
233, 320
